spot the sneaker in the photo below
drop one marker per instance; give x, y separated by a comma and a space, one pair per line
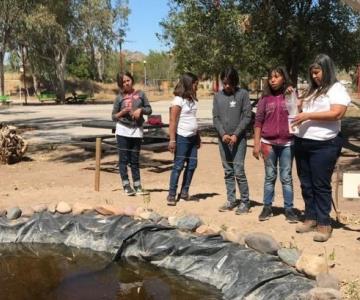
307, 226
139, 190
171, 200
185, 196
266, 213
243, 208
323, 233
228, 206
291, 216
128, 190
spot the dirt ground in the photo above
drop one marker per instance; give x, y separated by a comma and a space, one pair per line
67, 173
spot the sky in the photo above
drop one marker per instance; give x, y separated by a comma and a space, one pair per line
144, 24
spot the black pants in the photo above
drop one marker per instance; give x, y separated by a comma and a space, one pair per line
129, 154
315, 161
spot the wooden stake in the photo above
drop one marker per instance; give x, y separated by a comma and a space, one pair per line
336, 204
97, 164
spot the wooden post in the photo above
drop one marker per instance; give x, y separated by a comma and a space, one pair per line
336, 204
97, 164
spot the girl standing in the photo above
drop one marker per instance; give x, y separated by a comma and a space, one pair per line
274, 142
184, 136
318, 144
128, 110
231, 116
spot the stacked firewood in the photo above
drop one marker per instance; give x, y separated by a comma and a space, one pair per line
12, 145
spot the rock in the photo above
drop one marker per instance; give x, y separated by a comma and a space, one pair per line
190, 222
130, 210
232, 234
262, 242
311, 265
103, 210
13, 213
326, 280
289, 255
322, 294
80, 208
52, 208
150, 215
2, 212
172, 220
139, 211
27, 211
38, 208
63, 207
164, 222
208, 229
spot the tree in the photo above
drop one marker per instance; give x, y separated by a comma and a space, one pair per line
160, 66
11, 16
207, 35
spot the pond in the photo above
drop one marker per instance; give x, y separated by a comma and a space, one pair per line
38, 271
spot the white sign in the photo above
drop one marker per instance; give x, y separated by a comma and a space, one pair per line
351, 185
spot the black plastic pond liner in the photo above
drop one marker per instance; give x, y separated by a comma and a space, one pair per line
239, 272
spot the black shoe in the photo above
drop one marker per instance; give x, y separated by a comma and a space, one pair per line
171, 200
128, 190
228, 206
291, 216
185, 196
266, 213
243, 208
139, 190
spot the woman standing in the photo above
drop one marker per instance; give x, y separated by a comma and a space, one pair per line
318, 144
129, 107
184, 137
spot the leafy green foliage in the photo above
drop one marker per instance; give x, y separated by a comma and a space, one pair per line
254, 35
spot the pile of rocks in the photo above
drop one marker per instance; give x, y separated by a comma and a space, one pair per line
315, 267
12, 145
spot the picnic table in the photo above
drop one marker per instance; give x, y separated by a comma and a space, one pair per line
5, 99
46, 96
151, 140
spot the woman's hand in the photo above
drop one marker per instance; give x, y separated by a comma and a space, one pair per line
256, 151
289, 90
137, 114
172, 146
300, 118
226, 138
198, 142
233, 140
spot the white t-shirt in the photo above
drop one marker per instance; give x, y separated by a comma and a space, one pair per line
123, 130
187, 125
323, 130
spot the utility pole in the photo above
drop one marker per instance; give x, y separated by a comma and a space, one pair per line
121, 40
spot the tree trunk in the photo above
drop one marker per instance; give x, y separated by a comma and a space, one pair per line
60, 62
2, 76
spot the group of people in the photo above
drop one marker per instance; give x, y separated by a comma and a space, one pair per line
316, 144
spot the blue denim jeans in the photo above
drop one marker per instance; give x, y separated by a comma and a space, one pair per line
185, 153
232, 159
275, 155
315, 161
129, 154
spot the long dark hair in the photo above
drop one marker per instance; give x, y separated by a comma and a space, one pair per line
284, 74
120, 78
326, 64
184, 88
231, 76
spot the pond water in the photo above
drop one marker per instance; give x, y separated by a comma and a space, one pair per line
29, 271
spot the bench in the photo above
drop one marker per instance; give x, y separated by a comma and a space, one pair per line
77, 99
46, 96
5, 100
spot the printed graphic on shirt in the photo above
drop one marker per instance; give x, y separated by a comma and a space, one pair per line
232, 103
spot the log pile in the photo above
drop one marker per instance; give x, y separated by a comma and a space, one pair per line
12, 145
